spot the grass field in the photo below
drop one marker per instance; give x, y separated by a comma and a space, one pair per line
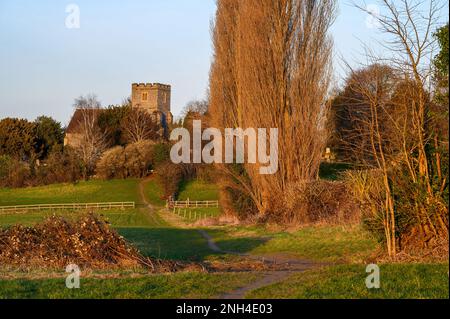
168, 242
190, 215
198, 190
321, 243
154, 193
148, 232
351, 247
181, 285
117, 217
82, 192
397, 281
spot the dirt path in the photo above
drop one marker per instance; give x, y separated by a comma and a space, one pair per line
142, 184
287, 265
148, 206
268, 277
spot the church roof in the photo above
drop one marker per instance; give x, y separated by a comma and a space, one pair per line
77, 118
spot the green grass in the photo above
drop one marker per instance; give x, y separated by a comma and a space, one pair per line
408, 281
148, 232
321, 243
154, 193
82, 192
28, 219
133, 218
156, 238
116, 217
168, 243
179, 285
198, 190
191, 215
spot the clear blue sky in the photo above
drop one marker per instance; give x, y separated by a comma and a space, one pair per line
44, 65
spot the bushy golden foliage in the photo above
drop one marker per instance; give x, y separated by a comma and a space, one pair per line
134, 160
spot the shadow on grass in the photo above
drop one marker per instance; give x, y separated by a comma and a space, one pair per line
182, 244
333, 171
182, 186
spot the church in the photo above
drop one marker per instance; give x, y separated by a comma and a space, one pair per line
154, 98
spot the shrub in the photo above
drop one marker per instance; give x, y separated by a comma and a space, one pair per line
205, 173
14, 173
234, 202
421, 219
318, 202
366, 187
135, 160
111, 164
138, 158
61, 166
170, 176
412, 207
161, 153
5, 162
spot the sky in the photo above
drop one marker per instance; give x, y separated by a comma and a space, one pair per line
46, 60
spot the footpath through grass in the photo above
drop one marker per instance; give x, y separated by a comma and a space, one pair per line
146, 230
154, 193
155, 237
397, 281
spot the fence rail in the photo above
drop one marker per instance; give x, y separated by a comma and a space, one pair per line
192, 214
107, 205
192, 204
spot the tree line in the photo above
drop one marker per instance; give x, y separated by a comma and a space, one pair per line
33, 152
272, 68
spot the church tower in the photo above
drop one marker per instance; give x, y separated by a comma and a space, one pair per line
154, 98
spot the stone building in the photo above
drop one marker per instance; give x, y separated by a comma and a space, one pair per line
151, 97
74, 132
154, 98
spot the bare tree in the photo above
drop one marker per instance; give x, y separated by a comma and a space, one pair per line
408, 25
93, 141
196, 106
139, 126
272, 69
370, 139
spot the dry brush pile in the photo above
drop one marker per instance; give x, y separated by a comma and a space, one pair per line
88, 242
